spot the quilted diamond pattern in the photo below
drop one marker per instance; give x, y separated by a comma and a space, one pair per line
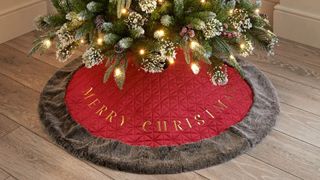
187, 107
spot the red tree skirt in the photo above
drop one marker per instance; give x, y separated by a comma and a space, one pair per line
171, 108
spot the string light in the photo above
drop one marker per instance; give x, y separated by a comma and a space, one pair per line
202, 1
124, 11
160, 1
142, 51
117, 72
194, 44
99, 41
231, 11
195, 68
82, 41
171, 60
47, 43
242, 46
257, 11
159, 33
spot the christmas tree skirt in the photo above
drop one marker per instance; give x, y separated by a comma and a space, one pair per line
169, 122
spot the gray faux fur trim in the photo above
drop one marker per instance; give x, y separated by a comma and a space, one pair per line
163, 160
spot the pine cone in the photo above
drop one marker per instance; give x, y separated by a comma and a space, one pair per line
99, 22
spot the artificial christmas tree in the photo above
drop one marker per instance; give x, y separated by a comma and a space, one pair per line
212, 31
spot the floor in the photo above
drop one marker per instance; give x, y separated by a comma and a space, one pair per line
291, 151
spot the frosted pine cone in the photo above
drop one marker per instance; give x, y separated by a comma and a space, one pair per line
92, 57
135, 20
247, 48
99, 21
220, 76
64, 53
168, 49
154, 63
148, 6
64, 37
213, 28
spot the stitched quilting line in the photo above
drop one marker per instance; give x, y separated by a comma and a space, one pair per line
186, 102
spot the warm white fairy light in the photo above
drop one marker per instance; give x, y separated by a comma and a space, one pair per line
117, 72
195, 68
231, 11
99, 41
257, 11
202, 1
160, 33
142, 51
124, 11
194, 44
47, 43
82, 41
171, 60
160, 1
242, 46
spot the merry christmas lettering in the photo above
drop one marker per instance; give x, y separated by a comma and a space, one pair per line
101, 110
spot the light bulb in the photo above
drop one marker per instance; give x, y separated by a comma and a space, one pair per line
82, 41
257, 11
100, 41
142, 51
195, 68
231, 11
193, 44
171, 60
159, 33
47, 43
117, 72
202, 1
124, 11
242, 46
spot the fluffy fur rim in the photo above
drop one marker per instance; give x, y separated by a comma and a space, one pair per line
162, 160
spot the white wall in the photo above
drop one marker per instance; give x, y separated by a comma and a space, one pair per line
268, 8
16, 17
299, 21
